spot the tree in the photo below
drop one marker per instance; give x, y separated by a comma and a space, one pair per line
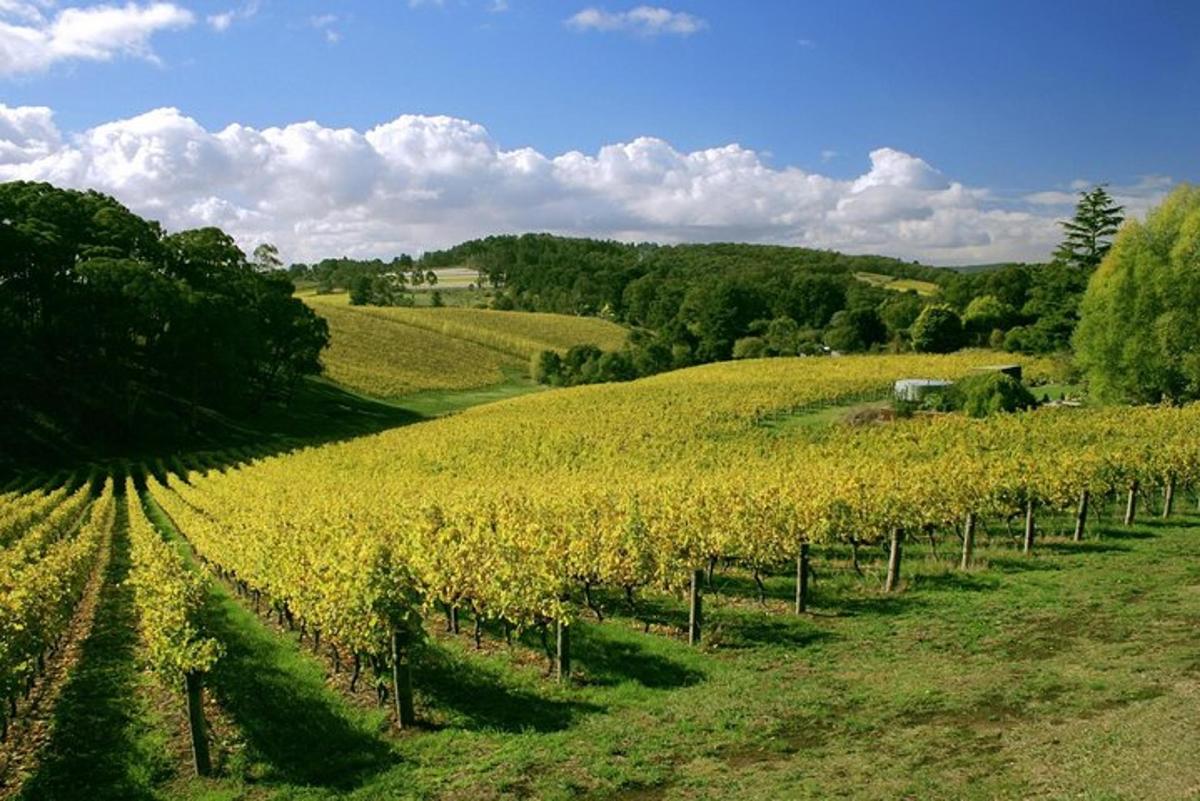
782, 336
938, 329
360, 291
652, 356
853, 330
984, 315
546, 367
615, 366
1138, 337
749, 348
991, 393
266, 258
1088, 234
721, 311
900, 311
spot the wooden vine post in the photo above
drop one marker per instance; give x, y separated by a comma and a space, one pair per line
894, 556
1131, 504
1081, 515
194, 690
402, 693
695, 608
802, 579
968, 541
1027, 547
562, 661
1169, 497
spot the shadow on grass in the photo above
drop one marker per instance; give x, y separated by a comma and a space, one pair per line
101, 747
614, 658
479, 696
955, 582
317, 412
1139, 531
744, 587
1081, 548
755, 629
881, 604
278, 698
1024, 564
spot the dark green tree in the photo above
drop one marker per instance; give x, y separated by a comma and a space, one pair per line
855, 330
938, 329
899, 312
1089, 234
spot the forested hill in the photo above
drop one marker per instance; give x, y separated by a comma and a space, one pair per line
701, 301
588, 275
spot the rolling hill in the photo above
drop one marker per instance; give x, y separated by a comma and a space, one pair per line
394, 352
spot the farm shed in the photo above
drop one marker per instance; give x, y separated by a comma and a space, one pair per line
915, 389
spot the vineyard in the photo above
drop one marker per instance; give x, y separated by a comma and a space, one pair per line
521, 511
651, 548
391, 352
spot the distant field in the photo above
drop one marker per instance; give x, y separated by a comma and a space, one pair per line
925, 288
456, 277
394, 352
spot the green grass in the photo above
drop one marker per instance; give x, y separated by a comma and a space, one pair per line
434, 403
1073, 673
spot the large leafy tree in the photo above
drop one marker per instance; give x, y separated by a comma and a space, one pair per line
1088, 235
938, 329
1138, 337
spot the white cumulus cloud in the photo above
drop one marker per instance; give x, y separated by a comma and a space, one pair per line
30, 41
224, 20
642, 20
421, 182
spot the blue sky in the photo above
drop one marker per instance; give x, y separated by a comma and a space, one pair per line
1011, 102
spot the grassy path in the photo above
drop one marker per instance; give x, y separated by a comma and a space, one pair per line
105, 743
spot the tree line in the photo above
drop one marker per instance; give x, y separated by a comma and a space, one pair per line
111, 328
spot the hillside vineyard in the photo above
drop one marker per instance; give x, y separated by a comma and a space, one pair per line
517, 510
390, 352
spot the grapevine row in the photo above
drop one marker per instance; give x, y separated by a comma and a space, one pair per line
169, 597
42, 579
18, 512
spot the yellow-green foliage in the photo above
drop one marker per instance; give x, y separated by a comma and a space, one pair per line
390, 352
169, 597
43, 574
